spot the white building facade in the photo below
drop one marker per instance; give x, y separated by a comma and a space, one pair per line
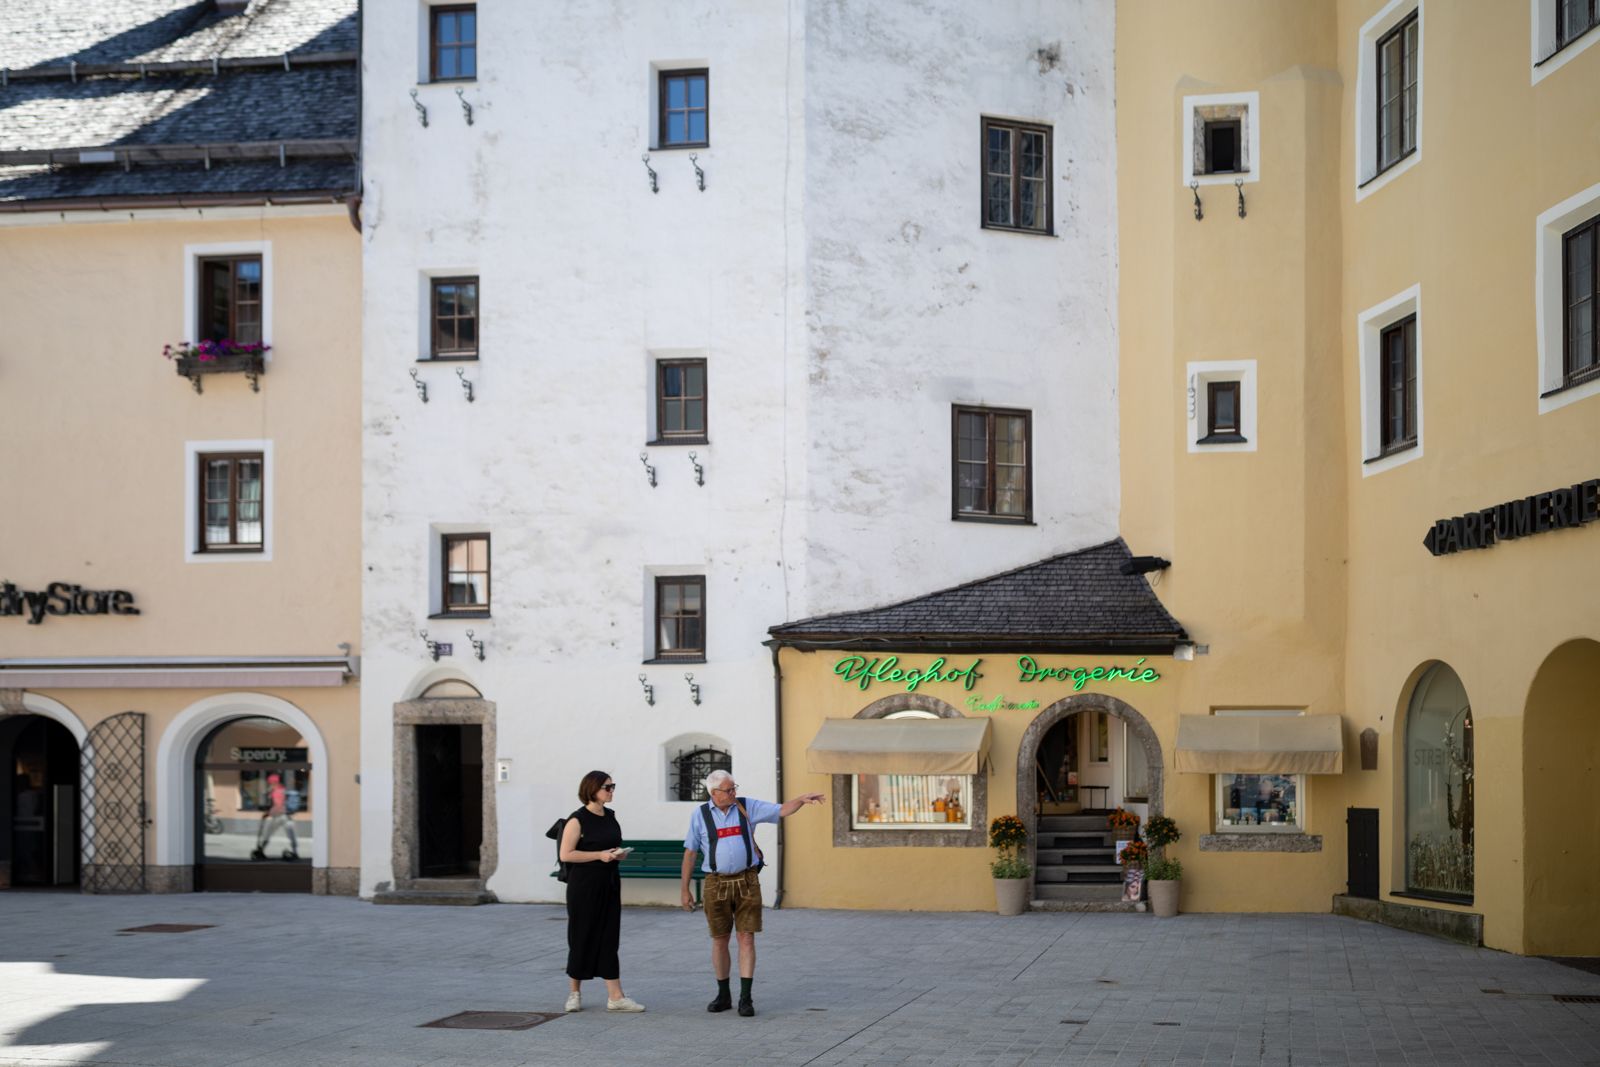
850, 320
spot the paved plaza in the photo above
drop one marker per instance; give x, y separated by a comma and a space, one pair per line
291, 980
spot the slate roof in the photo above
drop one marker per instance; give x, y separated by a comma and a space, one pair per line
316, 101
1077, 601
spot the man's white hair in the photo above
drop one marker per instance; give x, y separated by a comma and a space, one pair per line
716, 778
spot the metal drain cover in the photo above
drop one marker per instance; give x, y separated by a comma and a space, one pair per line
494, 1020
1577, 998
167, 928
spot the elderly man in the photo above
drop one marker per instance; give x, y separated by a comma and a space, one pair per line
723, 831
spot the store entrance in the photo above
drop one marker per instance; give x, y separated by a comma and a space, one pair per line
252, 809
449, 800
39, 841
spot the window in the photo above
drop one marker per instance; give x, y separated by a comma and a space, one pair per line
1222, 147
453, 43
232, 514
1135, 768
1574, 18
689, 771
1580, 269
993, 464
230, 299
1100, 737
1260, 803
1397, 93
681, 401
466, 574
1222, 406
455, 318
681, 618
685, 109
1222, 413
911, 801
1016, 176
1398, 387
1439, 787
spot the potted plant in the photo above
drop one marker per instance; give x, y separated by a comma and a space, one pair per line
1011, 872
195, 358
1124, 824
1163, 875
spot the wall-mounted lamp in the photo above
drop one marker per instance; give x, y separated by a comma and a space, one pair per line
462, 374
1199, 212
433, 646
649, 690
694, 690
1144, 564
477, 646
699, 471
1238, 183
466, 108
655, 186
699, 175
649, 471
422, 386
422, 112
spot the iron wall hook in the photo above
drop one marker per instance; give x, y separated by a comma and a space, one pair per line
462, 374
1238, 183
422, 112
699, 471
699, 175
422, 386
466, 108
649, 690
694, 690
649, 471
655, 186
477, 646
1199, 212
432, 646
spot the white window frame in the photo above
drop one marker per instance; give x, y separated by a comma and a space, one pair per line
193, 254
1547, 296
1368, 180
1542, 36
435, 598
1370, 326
1247, 108
1301, 806
192, 451
1200, 375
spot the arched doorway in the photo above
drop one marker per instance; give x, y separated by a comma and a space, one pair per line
1561, 804
1068, 745
252, 808
39, 803
1439, 788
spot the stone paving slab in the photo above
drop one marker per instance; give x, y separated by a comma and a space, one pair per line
330, 982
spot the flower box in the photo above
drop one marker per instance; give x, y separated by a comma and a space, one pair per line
219, 357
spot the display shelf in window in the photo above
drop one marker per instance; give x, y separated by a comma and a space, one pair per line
911, 801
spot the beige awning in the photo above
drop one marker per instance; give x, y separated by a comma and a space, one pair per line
1260, 744
899, 746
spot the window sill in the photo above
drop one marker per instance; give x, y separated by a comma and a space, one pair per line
661, 661
666, 442
473, 358
1223, 439
993, 520
1261, 841
1574, 383
676, 146
447, 81
1560, 49
1382, 171
1393, 450
460, 615
224, 550
1019, 229
1437, 898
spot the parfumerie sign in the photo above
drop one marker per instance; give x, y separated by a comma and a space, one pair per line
863, 672
64, 598
1570, 506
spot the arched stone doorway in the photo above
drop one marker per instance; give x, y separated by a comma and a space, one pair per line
1561, 804
1028, 751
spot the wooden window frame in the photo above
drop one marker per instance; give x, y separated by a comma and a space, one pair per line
1048, 185
1237, 126
459, 353
681, 437
1387, 444
208, 291
233, 546
1562, 39
465, 610
1216, 434
662, 77
1569, 376
434, 45
1404, 151
956, 411
680, 655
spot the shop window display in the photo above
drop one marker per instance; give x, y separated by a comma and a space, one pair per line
911, 801
254, 779
1439, 787
1259, 801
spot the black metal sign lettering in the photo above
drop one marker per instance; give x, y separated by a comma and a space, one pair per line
1560, 509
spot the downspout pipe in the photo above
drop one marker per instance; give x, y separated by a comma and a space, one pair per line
777, 732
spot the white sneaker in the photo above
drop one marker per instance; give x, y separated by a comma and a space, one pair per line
624, 1004
574, 1001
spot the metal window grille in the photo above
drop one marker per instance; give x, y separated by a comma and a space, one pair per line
689, 770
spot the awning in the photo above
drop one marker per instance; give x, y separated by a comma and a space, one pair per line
1260, 744
899, 746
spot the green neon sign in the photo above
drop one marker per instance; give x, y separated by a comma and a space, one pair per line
1000, 703
887, 669
1030, 671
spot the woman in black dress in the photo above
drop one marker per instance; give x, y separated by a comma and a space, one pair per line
591, 844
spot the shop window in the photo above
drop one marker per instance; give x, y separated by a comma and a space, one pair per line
685, 109
680, 401
1016, 176
1389, 91
254, 796
231, 505
1439, 788
911, 802
1260, 803
688, 770
453, 318
992, 458
230, 299
453, 43
466, 574
680, 618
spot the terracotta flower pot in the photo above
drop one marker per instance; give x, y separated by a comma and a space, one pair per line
1011, 895
1164, 897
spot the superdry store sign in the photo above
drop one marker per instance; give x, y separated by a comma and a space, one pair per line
1559, 509
64, 598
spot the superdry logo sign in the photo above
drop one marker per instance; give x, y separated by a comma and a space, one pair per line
1573, 505
64, 598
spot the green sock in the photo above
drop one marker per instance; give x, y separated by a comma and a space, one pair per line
744, 988
722, 987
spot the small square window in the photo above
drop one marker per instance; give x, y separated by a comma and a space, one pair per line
453, 43
1016, 177
681, 617
466, 573
992, 469
230, 299
454, 318
1397, 354
685, 120
231, 503
1222, 147
1224, 408
681, 401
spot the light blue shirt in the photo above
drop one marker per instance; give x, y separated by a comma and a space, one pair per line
730, 849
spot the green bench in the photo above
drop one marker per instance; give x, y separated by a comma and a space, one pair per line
657, 859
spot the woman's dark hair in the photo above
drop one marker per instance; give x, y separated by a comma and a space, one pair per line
591, 785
